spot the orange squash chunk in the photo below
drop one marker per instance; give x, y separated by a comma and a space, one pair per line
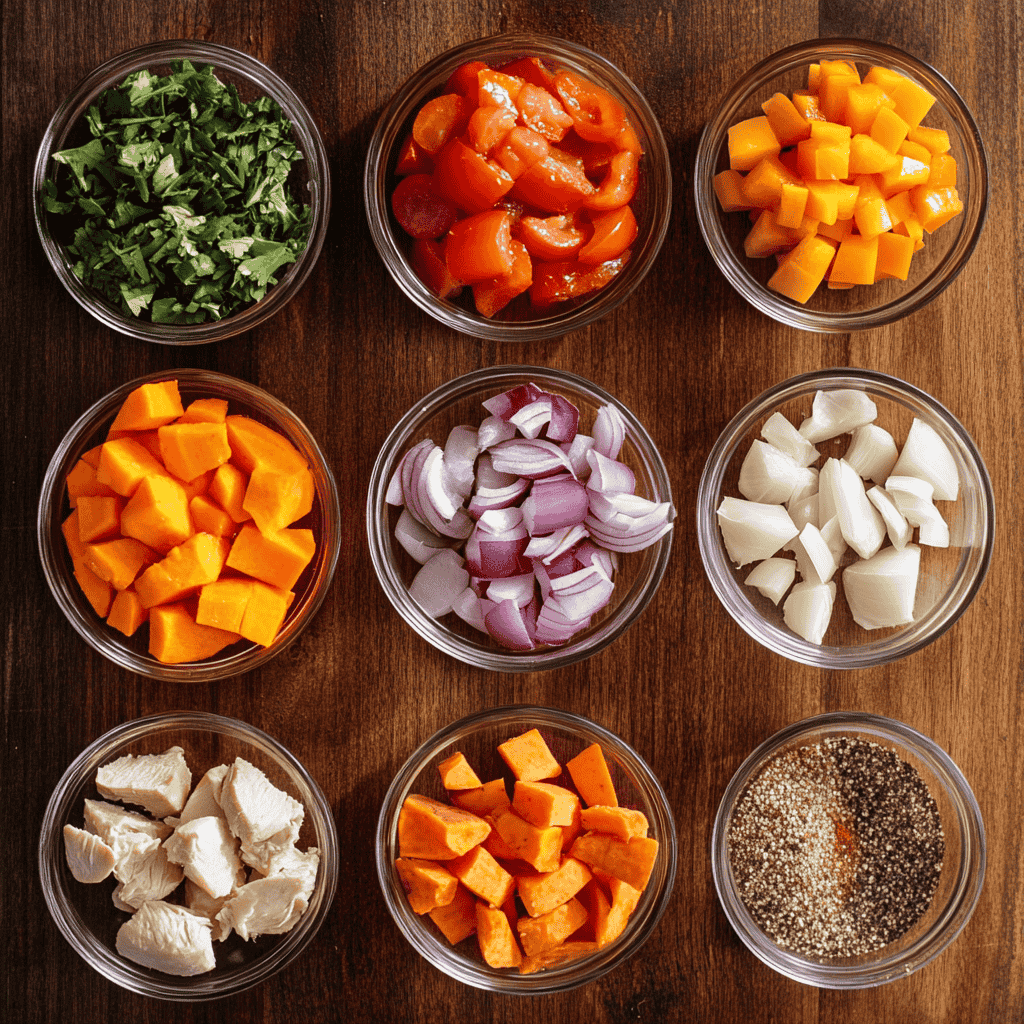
175, 637
264, 614
631, 862
222, 603
543, 804
728, 186
483, 876
889, 129
126, 612
278, 559
457, 773
158, 514
494, 934
82, 482
855, 260
894, 255
802, 269
277, 498
750, 141
118, 561
190, 449
149, 406
430, 830
539, 934
205, 410
490, 798
99, 517
254, 444
528, 757
935, 206
209, 517
187, 567
539, 847
788, 125
621, 822
590, 775
427, 884
125, 463
227, 488
542, 893
456, 920
99, 593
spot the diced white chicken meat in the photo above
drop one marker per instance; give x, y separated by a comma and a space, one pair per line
298, 864
89, 858
200, 902
205, 798
207, 852
157, 782
268, 906
168, 938
264, 818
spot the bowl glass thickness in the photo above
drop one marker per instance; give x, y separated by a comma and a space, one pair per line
963, 867
252, 80
837, 310
950, 577
130, 652
518, 321
84, 913
459, 401
566, 734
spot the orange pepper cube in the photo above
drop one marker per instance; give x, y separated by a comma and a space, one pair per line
895, 253
750, 141
855, 260
728, 186
803, 269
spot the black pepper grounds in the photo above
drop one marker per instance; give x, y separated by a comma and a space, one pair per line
836, 848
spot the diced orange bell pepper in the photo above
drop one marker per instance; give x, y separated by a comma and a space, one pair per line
762, 187
894, 255
935, 206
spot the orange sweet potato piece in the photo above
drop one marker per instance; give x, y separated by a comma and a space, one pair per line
456, 920
544, 804
187, 567
750, 141
427, 884
158, 514
495, 845
99, 517
621, 822
430, 830
490, 798
494, 934
589, 773
631, 862
542, 893
539, 847
540, 934
254, 444
149, 406
277, 498
457, 773
99, 593
175, 637
529, 758
82, 481
209, 517
264, 614
205, 410
190, 449
118, 561
609, 914
278, 559
482, 875
227, 488
126, 612
222, 603
125, 463
557, 957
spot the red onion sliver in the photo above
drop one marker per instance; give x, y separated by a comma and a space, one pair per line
441, 501
608, 475
553, 627
494, 430
460, 452
556, 544
577, 455
467, 607
439, 583
530, 613
420, 542
626, 542
512, 588
530, 458
606, 504
531, 419
504, 405
565, 420
410, 476
562, 565
488, 476
492, 498
501, 521
552, 506
609, 431
583, 593
505, 623
543, 579
587, 553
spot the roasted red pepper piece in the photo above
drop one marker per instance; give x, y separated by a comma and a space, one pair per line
468, 179
532, 70
429, 265
614, 232
421, 212
554, 186
570, 279
541, 111
440, 119
522, 148
596, 114
480, 247
497, 292
550, 238
619, 185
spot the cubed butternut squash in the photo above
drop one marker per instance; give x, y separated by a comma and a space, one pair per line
176, 637
278, 559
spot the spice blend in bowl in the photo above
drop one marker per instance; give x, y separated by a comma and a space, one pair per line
848, 851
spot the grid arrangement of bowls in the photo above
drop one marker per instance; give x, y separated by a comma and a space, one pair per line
84, 913
933, 269
652, 204
128, 652
252, 79
566, 734
963, 868
950, 578
459, 401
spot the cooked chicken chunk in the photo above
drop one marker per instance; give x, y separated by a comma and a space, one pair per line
157, 782
168, 938
268, 906
208, 852
205, 798
89, 858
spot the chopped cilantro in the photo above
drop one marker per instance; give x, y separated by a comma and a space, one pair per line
180, 208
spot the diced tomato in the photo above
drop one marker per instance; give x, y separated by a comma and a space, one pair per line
468, 179
542, 112
421, 212
532, 70
496, 89
614, 232
489, 126
497, 292
619, 184
412, 159
463, 80
522, 148
596, 114
570, 279
550, 238
480, 246
554, 186
429, 265
440, 119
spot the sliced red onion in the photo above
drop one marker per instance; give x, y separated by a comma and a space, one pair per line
616, 537
505, 623
411, 475
488, 476
565, 420
576, 452
512, 588
582, 593
491, 498
510, 402
608, 475
393, 495
433, 486
493, 430
501, 521
587, 553
554, 627
540, 572
609, 431
530, 613
563, 564
496, 555
420, 542
530, 458
460, 525
467, 607
460, 452
605, 504
556, 544
552, 506
531, 419
478, 585
439, 582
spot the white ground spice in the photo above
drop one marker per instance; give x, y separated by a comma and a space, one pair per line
836, 847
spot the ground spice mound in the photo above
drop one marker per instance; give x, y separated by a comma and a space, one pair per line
836, 847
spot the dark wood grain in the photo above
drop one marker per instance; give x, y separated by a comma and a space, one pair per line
360, 691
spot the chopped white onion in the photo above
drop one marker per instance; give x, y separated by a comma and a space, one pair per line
837, 412
872, 452
880, 590
805, 511
925, 455
808, 609
753, 531
896, 525
859, 520
781, 434
772, 577
814, 558
768, 475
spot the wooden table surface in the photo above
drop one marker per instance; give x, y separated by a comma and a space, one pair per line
359, 691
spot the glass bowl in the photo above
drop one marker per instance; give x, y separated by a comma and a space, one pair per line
84, 913
518, 321
838, 310
960, 880
130, 652
949, 578
459, 401
566, 734
252, 80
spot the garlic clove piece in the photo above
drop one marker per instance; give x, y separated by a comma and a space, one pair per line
925, 455
880, 590
808, 609
753, 530
772, 577
872, 452
781, 434
837, 412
